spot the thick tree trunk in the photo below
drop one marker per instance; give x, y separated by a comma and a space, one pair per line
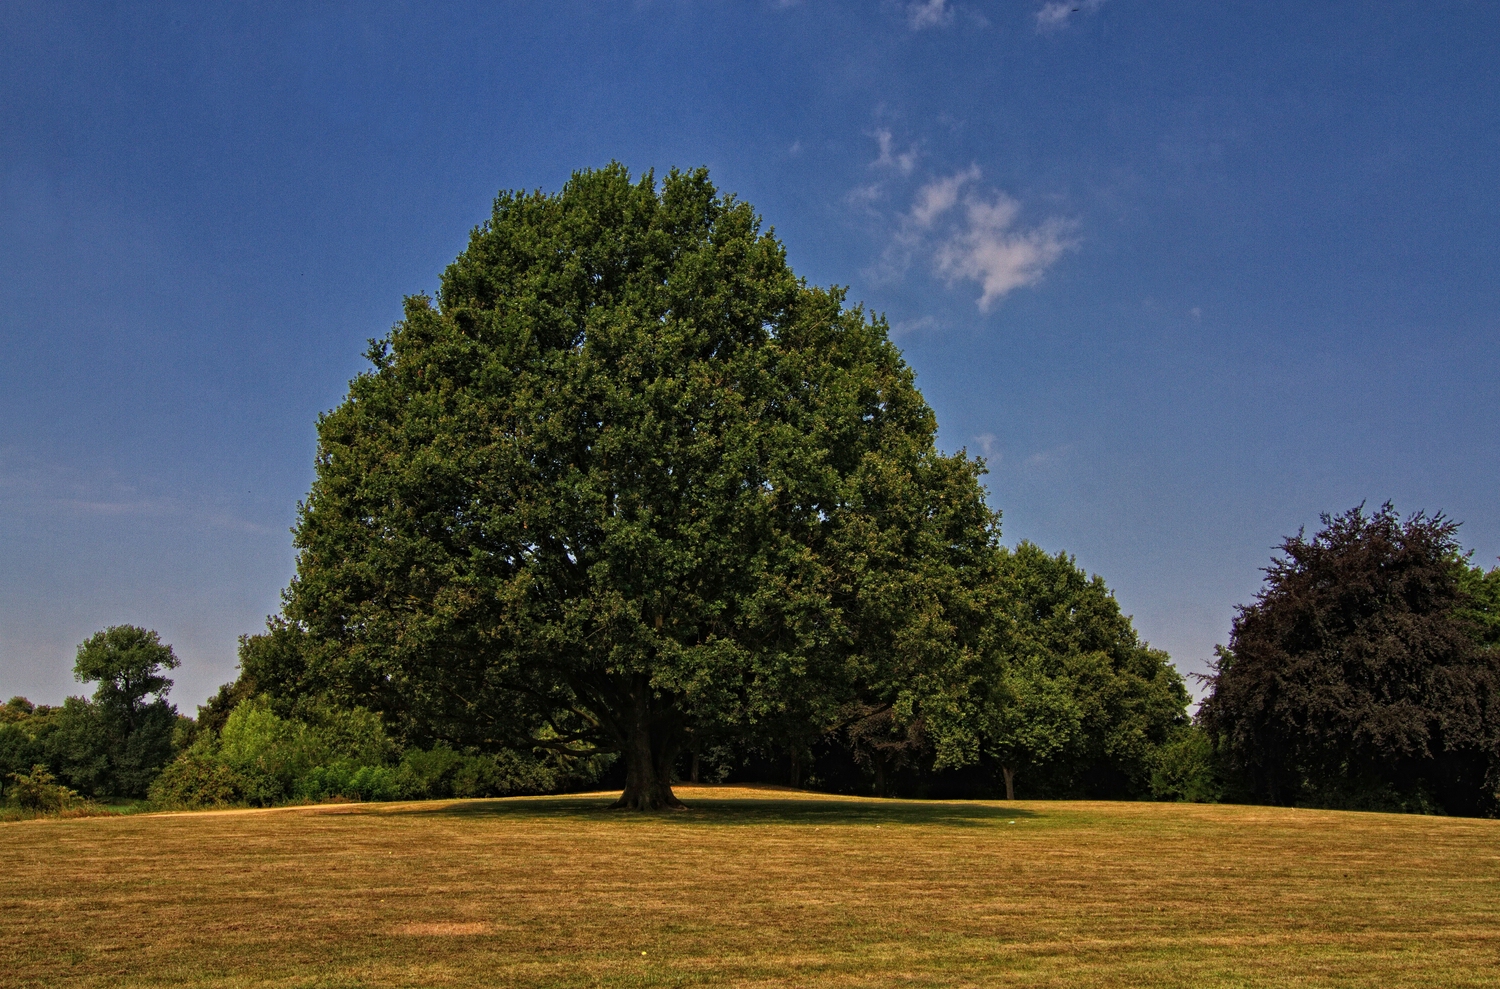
879, 774
649, 751
695, 767
1010, 781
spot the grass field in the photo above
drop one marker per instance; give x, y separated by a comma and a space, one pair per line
751, 888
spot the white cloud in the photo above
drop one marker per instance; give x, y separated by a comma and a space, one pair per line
998, 258
1055, 14
1045, 460
904, 327
983, 243
936, 198
865, 196
989, 446
928, 13
902, 162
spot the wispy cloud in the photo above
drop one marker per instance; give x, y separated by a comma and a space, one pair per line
37, 488
864, 197
998, 258
1055, 15
906, 326
928, 13
975, 237
900, 161
1045, 460
936, 198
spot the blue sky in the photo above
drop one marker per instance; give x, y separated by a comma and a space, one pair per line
1188, 274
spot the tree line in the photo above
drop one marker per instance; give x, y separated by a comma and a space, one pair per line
112, 745
1088, 711
629, 503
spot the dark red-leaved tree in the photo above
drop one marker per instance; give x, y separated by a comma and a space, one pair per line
1358, 678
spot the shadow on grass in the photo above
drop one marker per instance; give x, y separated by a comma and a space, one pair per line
801, 810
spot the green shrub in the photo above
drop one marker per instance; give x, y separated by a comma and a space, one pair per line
427, 774
1186, 768
374, 783
354, 782
322, 782
355, 735
255, 759
257, 740
39, 791
477, 776
196, 779
261, 757
439, 772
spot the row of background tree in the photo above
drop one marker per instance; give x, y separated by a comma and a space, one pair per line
1364, 676
1095, 713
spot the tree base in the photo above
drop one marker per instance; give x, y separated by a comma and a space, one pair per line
659, 797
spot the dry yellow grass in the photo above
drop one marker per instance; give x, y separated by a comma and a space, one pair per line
751, 888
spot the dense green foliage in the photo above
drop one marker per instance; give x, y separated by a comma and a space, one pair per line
628, 489
1057, 697
630, 486
1187, 768
1366, 673
1075, 697
39, 790
113, 745
1479, 605
259, 757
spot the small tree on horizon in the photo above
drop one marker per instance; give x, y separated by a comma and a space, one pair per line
123, 739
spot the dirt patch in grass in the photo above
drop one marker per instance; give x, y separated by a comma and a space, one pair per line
751, 887
443, 928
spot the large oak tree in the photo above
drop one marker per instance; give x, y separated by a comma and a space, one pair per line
628, 482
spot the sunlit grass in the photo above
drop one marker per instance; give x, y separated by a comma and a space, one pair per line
751, 887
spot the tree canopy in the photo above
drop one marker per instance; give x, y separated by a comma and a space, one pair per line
1360, 675
129, 664
627, 482
124, 738
1062, 690
627, 487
